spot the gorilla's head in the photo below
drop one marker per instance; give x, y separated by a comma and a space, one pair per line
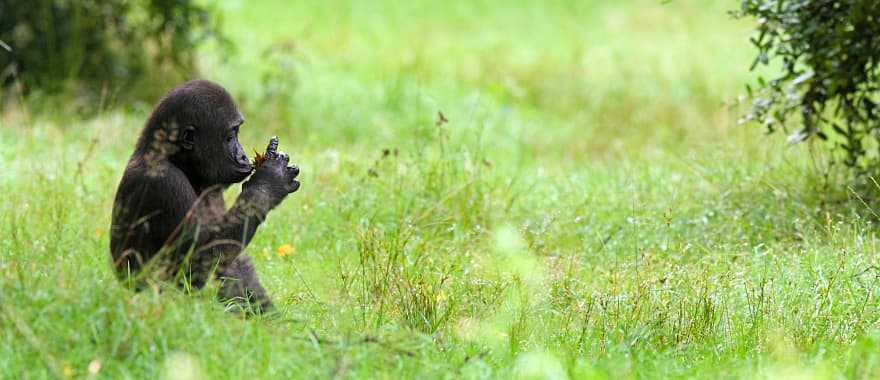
195, 127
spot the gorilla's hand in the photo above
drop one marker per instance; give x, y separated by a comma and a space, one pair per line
273, 177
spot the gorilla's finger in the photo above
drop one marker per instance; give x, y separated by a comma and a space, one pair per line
272, 149
294, 186
293, 171
284, 158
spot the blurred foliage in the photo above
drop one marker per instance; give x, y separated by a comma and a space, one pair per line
829, 52
101, 46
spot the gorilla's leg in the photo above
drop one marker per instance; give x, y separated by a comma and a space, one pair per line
240, 286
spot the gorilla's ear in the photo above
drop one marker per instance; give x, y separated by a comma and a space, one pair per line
187, 141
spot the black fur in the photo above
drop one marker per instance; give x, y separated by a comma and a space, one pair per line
169, 217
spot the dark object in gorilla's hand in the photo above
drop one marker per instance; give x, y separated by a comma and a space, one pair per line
169, 217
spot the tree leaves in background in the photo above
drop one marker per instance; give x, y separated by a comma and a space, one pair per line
93, 45
828, 52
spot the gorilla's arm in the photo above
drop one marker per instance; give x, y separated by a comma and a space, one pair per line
221, 241
198, 226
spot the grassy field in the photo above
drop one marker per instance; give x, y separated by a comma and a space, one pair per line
591, 210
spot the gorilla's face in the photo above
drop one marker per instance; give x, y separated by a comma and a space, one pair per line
220, 154
207, 122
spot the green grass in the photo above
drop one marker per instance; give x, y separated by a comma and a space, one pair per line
591, 210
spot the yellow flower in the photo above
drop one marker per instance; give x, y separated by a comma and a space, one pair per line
284, 250
99, 232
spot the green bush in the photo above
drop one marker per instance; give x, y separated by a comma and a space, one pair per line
98, 46
828, 56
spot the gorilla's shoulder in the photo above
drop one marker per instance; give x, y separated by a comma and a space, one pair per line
157, 178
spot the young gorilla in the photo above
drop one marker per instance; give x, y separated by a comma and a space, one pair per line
169, 217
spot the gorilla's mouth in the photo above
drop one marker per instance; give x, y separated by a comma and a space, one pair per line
242, 172
243, 167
